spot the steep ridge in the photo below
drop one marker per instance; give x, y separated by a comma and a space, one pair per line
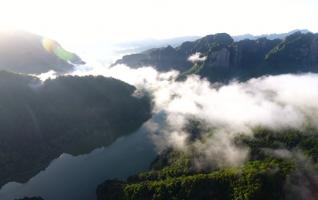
40, 121
24, 52
226, 59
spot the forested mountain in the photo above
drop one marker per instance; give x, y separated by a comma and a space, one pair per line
276, 171
281, 163
70, 114
223, 59
24, 52
40, 121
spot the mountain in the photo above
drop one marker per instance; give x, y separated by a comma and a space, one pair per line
222, 59
142, 45
23, 52
70, 114
273, 36
270, 174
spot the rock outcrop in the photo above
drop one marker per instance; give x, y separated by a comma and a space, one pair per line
227, 59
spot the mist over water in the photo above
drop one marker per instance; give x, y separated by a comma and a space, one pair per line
227, 110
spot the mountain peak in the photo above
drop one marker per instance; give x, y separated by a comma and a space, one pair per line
24, 52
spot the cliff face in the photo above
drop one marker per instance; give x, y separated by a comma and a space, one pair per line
162, 58
250, 53
296, 49
24, 52
226, 59
40, 121
176, 58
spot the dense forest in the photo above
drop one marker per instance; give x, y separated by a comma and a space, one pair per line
41, 120
282, 165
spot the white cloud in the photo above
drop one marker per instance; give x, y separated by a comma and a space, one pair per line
47, 75
197, 57
275, 102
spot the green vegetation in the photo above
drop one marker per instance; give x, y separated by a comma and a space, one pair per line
195, 69
264, 177
40, 121
294, 50
256, 180
289, 140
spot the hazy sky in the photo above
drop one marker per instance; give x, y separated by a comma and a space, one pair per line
120, 20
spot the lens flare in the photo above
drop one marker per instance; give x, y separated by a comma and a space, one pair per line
48, 44
52, 46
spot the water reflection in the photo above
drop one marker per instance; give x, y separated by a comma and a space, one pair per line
69, 177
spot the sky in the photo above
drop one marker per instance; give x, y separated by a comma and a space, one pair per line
74, 21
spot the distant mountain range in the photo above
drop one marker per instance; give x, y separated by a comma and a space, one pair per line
24, 52
226, 59
272, 36
142, 45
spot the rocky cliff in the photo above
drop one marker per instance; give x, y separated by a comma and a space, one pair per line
227, 59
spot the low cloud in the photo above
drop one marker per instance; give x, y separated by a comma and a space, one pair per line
197, 57
302, 184
274, 102
47, 75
